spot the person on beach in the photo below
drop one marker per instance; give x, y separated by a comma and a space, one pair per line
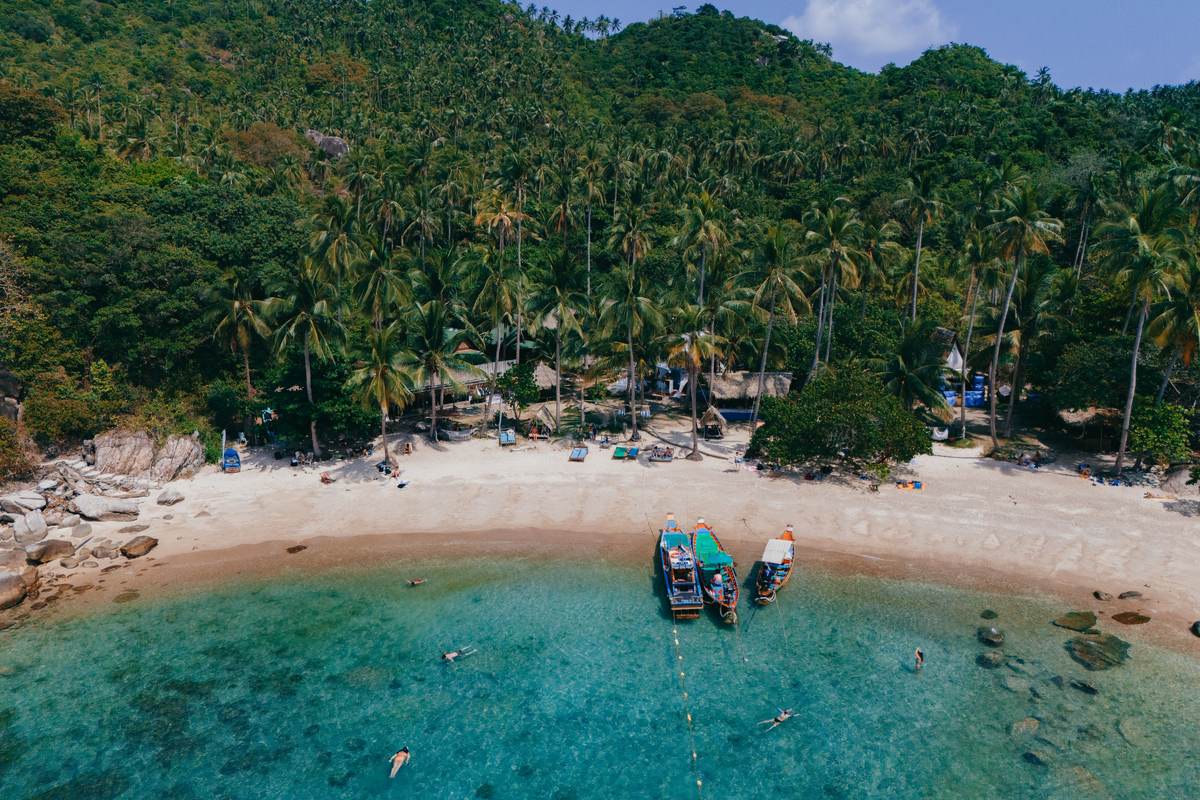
399, 760
920, 659
415, 581
783, 716
463, 652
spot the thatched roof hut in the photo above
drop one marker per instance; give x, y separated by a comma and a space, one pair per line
713, 417
735, 386
544, 376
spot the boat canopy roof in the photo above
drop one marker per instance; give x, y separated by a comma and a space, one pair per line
708, 552
675, 539
778, 550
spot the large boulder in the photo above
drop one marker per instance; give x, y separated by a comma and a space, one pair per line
1176, 482
23, 501
12, 559
123, 452
179, 457
169, 498
49, 550
138, 546
12, 589
1099, 651
334, 146
100, 509
30, 528
1076, 621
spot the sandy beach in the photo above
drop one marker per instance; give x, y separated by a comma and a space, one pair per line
976, 523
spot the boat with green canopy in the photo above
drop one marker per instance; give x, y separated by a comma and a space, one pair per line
717, 575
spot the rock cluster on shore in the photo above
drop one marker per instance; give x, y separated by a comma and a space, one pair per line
45, 524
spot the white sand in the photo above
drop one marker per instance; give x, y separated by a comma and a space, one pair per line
976, 522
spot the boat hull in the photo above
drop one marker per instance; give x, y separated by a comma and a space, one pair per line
680, 574
723, 596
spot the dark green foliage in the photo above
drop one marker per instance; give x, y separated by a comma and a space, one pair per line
14, 461
1159, 432
842, 416
1092, 373
518, 387
24, 113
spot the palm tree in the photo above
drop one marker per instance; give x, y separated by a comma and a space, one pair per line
777, 267
1177, 325
921, 205
915, 370
241, 320
381, 282
1036, 304
702, 234
383, 381
688, 345
834, 239
557, 302
1021, 228
307, 311
497, 296
631, 308
436, 352
1144, 246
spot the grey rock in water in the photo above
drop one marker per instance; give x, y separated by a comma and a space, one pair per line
1042, 758
1076, 621
12, 589
991, 636
1099, 651
49, 550
1131, 595
990, 660
169, 498
1015, 684
1024, 727
101, 509
30, 528
138, 546
1087, 687
987, 613
1099, 595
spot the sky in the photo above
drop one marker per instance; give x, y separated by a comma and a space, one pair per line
1102, 44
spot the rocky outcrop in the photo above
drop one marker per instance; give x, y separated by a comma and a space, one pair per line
100, 509
134, 453
1099, 651
23, 501
1131, 618
30, 528
1176, 482
10, 395
169, 498
334, 146
138, 546
49, 550
1076, 621
12, 589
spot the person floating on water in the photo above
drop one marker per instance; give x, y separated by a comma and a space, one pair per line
783, 716
415, 581
399, 760
462, 652
920, 654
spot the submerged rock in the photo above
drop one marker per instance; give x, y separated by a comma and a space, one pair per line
1015, 684
1076, 621
990, 636
1131, 618
1087, 687
990, 660
81, 530
297, 548
1131, 595
1099, 595
138, 546
1131, 731
1041, 758
1024, 727
49, 550
987, 613
1099, 651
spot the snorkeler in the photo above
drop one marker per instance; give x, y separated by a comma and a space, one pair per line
399, 760
462, 652
415, 581
920, 656
783, 716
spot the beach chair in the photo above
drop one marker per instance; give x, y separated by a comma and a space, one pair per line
578, 453
619, 452
508, 437
631, 454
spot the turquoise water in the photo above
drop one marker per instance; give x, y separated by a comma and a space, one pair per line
303, 687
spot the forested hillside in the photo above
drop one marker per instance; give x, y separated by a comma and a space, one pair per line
176, 253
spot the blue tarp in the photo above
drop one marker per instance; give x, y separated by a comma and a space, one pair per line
231, 459
736, 414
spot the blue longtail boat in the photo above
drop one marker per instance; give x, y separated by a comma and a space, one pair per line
681, 576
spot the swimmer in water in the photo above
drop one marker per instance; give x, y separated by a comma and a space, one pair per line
399, 760
920, 662
783, 716
463, 652
415, 581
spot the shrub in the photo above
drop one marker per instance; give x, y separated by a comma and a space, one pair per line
14, 452
1159, 433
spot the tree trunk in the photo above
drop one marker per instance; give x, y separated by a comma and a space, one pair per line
383, 410
433, 381
820, 327
246, 368
557, 375
312, 410
496, 362
700, 293
1162, 387
829, 326
632, 388
762, 364
995, 365
917, 266
1129, 312
1137, 346
965, 355
1018, 382
693, 374
589, 251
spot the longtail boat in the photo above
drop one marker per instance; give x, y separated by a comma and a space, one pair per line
680, 574
717, 575
776, 567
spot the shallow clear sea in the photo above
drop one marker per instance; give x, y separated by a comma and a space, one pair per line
303, 687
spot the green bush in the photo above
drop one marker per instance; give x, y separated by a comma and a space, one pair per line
14, 456
1159, 433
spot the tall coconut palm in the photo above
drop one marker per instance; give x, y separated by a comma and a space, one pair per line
557, 302
1021, 228
775, 290
381, 281
834, 239
1143, 245
631, 308
703, 234
241, 319
305, 310
1176, 326
497, 295
384, 381
914, 372
689, 345
920, 204
436, 353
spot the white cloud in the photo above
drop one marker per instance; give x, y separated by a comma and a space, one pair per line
872, 27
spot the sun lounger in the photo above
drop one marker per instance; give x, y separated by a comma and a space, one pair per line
619, 452
578, 453
661, 453
631, 454
508, 437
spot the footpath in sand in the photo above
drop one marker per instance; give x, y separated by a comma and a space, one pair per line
977, 522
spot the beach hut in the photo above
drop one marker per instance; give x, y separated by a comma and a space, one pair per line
742, 387
713, 424
231, 461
